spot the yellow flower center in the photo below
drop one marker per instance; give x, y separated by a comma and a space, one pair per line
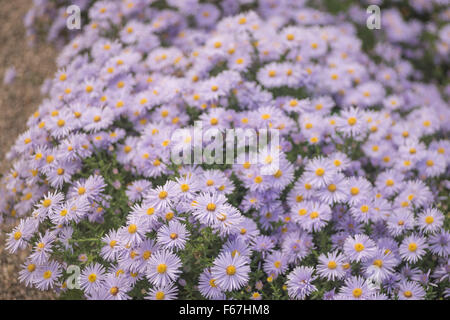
161, 268
231, 270
92, 277
351, 121
278, 174
359, 247
169, 216
364, 208
46, 203
132, 228
114, 291
378, 263
332, 265
163, 194
412, 247
429, 219
258, 179
407, 294
314, 215
357, 292
146, 255
320, 172
211, 207
331, 188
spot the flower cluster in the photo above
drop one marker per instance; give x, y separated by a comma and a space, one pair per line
353, 210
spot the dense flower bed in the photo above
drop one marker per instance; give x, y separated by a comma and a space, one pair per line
356, 207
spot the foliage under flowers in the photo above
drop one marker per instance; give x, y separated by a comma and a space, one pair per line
356, 210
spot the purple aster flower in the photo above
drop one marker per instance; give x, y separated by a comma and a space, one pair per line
356, 288
275, 264
229, 220
264, 244
208, 287
299, 283
19, 236
137, 189
133, 233
440, 243
231, 273
359, 189
330, 266
350, 122
163, 268
173, 236
47, 274
318, 217
207, 207
380, 266
297, 245
43, 248
335, 191
408, 272
413, 248
389, 182
430, 220
359, 247
92, 278
50, 204
319, 172
28, 273
162, 197
400, 221
410, 290
248, 230
167, 292
112, 247
116, 286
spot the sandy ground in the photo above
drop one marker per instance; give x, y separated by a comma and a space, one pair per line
17, 102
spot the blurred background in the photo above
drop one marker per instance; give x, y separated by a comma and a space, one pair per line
18, 100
